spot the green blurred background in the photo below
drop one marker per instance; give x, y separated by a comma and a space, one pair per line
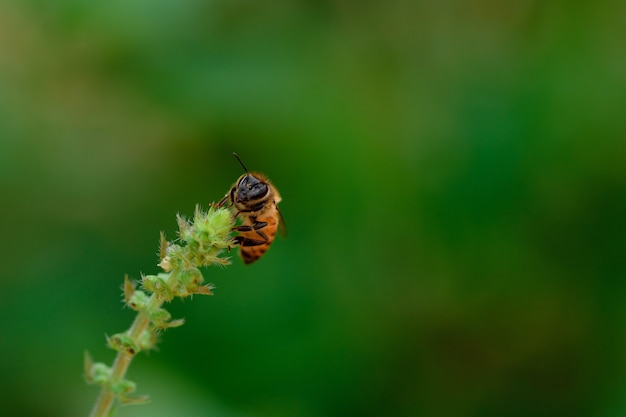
454, 184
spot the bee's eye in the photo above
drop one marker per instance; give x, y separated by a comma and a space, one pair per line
258, 190
250, 188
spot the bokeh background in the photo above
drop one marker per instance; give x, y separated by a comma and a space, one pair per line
454, 185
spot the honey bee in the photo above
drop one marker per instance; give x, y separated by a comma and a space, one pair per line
256, 201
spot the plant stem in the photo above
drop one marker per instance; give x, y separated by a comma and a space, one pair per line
103, 404
202, 241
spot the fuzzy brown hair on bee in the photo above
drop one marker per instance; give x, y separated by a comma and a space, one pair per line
256, 201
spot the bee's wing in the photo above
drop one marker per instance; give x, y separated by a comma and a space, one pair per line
282, 228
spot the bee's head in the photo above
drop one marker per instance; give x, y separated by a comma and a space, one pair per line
250, 188
251, 191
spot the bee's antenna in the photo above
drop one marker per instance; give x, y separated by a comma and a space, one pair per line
239, 159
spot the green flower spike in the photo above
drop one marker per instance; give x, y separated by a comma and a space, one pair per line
203, 242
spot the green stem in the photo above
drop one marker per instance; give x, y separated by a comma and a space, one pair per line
102, 407
202, 241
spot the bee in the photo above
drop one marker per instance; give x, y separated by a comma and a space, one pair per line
256, 201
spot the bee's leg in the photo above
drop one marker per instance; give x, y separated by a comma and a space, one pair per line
257, 226
220, 203
244, 241
229, 197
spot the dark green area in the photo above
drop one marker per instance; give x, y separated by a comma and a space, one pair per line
454, 185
